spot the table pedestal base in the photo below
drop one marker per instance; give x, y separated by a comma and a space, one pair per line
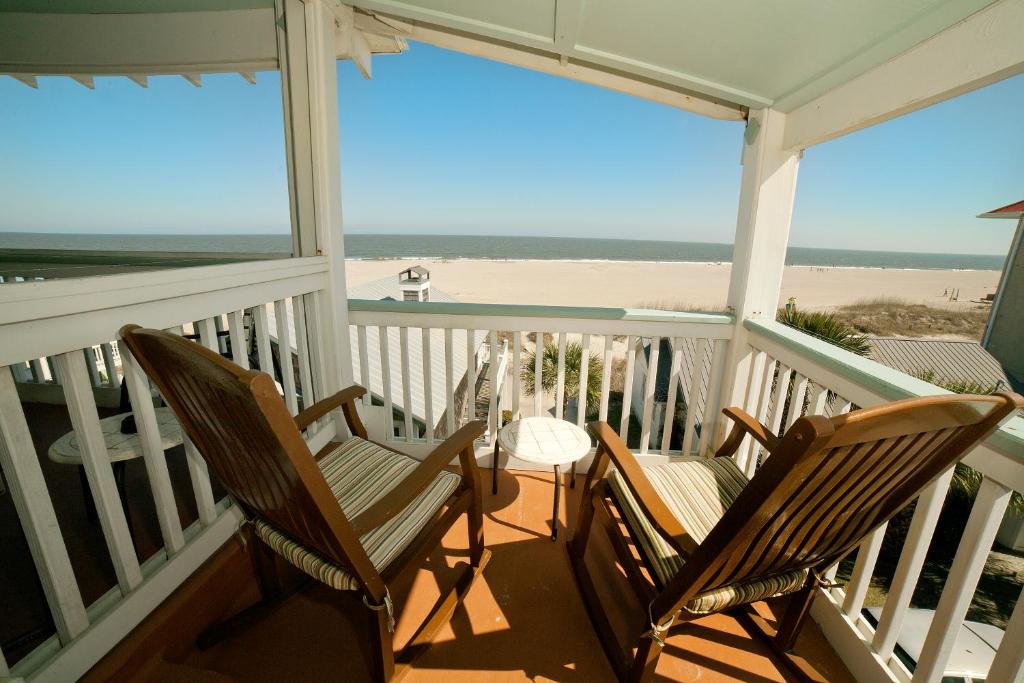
558, 486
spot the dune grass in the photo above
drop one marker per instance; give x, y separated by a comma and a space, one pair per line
896, 318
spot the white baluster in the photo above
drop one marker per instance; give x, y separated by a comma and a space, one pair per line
385, 371
236, 333
403, 344
449, 380
364, 363
492, 372
710, 412
428, 383
517, 372
606, 378
31, 498
284, 355
302, 345
958, 591
627, 386
261, 328
96, 462
863, 567
560, 378
584, 377
693, 398
908, 570
153, 453
650, 385
538, 368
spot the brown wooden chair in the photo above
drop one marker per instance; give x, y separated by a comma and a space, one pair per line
710, 540
357, 516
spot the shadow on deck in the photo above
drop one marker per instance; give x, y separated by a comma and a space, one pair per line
523, 621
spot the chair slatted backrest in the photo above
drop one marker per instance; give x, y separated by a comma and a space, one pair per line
831, 481
242, 428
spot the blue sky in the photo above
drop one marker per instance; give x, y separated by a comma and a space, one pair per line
440, 142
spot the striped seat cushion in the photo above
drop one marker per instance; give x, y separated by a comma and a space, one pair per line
698, 492
360, 473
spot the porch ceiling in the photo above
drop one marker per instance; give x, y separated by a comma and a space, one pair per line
779, 54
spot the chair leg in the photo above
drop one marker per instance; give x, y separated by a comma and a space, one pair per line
381, 647
646, 660
793, 618
584, 521
271, 593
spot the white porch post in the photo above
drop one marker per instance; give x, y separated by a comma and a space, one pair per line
306, 42
767, 191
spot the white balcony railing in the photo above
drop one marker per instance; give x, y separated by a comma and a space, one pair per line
428, 374
57, 321
414, 357
793, 373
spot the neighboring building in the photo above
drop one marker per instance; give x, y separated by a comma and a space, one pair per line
946, 360
413, 284
1005, 330
949, 362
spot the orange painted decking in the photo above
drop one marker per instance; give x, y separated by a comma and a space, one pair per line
523, 621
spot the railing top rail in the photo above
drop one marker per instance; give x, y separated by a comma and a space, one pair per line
50, 298
885, 382
531, 311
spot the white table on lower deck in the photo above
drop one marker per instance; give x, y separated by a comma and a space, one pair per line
121, 448
543, 441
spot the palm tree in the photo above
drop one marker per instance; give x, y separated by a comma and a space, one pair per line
573, 362
827, 327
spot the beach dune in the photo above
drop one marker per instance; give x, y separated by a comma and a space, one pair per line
634, 284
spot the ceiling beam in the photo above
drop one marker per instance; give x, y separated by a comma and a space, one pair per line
550, 62
980, 50
568, 14
152, 43
194, 79
489, 32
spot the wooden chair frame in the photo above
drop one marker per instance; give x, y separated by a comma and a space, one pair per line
741, 533
211, 396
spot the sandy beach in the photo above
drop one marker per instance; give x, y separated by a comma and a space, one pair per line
633, 284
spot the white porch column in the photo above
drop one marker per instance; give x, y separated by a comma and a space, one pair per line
306, 44
767, 191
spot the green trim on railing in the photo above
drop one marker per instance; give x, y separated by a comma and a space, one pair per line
527, 311
880, 379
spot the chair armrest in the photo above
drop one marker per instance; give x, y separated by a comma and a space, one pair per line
745, 424
346, 400
610, 445
398, 498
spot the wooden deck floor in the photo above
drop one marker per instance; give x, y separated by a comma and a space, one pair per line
523, 621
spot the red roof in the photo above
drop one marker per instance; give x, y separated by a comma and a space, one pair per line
1015, 210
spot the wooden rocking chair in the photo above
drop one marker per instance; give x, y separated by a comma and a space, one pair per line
357, 516
710, 540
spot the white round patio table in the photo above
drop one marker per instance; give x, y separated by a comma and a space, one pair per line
543, 441
120, 449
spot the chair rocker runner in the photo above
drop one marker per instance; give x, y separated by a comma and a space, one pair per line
710, 540
356, 516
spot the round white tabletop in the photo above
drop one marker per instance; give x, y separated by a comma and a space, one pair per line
544, 440
66, 450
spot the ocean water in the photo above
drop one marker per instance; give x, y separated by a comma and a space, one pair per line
501, 248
